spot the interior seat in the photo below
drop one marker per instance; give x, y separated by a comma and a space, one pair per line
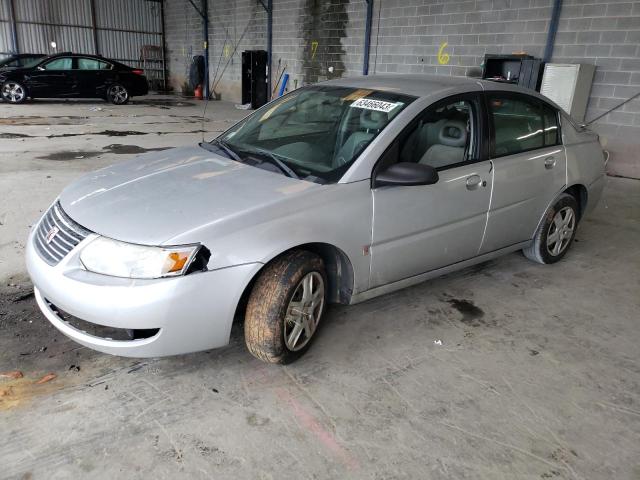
421, 139
450, 147
371, 121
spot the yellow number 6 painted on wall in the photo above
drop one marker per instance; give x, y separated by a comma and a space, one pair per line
443, 57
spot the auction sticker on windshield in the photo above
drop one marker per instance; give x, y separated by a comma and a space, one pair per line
378, 105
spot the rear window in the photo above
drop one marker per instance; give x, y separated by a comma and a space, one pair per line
518, 125
92, 64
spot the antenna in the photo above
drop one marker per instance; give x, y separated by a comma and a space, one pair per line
204, 113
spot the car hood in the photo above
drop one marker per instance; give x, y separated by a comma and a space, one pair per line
156, 197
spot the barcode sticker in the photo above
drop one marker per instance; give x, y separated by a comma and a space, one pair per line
378, 105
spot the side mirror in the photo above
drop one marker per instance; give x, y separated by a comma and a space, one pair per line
406, 174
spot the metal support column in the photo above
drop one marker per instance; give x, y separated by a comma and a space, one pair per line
553, 29
269, 8
164, 48
205, 28
367, 37
14, 30
94, 30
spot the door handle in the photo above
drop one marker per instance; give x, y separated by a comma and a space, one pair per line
473, 181
549, 162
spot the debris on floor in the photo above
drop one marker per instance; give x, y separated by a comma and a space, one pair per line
47, 378
14, 374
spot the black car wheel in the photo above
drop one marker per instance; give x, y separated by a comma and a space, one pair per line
13, 92
117, 94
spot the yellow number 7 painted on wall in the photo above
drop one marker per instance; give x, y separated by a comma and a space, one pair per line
314, 47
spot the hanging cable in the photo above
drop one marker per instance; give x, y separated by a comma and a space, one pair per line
612, 109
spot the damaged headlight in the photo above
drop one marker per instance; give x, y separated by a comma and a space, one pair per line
119, 259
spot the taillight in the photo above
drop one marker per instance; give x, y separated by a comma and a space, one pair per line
137, 71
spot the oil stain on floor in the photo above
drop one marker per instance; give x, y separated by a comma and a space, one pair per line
116, 148
471, 314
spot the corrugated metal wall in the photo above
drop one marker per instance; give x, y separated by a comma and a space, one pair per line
116, 29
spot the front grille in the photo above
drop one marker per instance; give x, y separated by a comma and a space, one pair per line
57, 235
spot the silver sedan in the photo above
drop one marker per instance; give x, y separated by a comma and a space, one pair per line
334, 193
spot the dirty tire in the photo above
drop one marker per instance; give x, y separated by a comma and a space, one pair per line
268, 303
538, 251
117, 94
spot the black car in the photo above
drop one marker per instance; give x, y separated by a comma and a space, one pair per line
20, 61
68, 75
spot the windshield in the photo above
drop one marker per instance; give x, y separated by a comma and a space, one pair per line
316, 132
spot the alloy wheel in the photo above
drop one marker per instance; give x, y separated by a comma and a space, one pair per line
561, 231
304, 311
13, 92
118, 94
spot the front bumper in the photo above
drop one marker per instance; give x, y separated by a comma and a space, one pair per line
192, 313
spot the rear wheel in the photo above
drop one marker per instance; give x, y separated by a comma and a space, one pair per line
14, 92
285, 307
556, 232
117, 94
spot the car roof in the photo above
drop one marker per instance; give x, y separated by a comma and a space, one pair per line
415, 85
423, 85
71, 54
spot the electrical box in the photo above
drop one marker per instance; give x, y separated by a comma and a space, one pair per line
254, 78
569, 85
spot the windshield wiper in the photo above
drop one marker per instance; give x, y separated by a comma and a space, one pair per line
272, 158
227, 149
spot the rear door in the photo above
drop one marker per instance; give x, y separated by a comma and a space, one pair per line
55, 78
529, 166
421, 228
92, 75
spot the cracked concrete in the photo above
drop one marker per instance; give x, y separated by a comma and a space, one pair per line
536, 373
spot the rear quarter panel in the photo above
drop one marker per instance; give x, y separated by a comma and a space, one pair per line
585, 161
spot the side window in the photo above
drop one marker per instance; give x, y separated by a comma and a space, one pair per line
92, 64
551, 130
517, 123
59, 64
443, 136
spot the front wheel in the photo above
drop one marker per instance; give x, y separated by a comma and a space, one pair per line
117, 94
285, 307
556, 232
14, 92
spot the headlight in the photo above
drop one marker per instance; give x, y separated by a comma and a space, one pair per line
120, 259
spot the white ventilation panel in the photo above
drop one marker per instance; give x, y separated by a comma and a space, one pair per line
569, 86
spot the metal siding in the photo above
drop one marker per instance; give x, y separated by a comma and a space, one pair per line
6, 43
4, 11
123, 27
66, 12
136, 15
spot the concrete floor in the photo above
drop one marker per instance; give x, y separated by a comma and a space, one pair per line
537, 376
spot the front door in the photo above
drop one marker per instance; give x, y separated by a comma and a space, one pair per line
421, 228
53, 79
529, 167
